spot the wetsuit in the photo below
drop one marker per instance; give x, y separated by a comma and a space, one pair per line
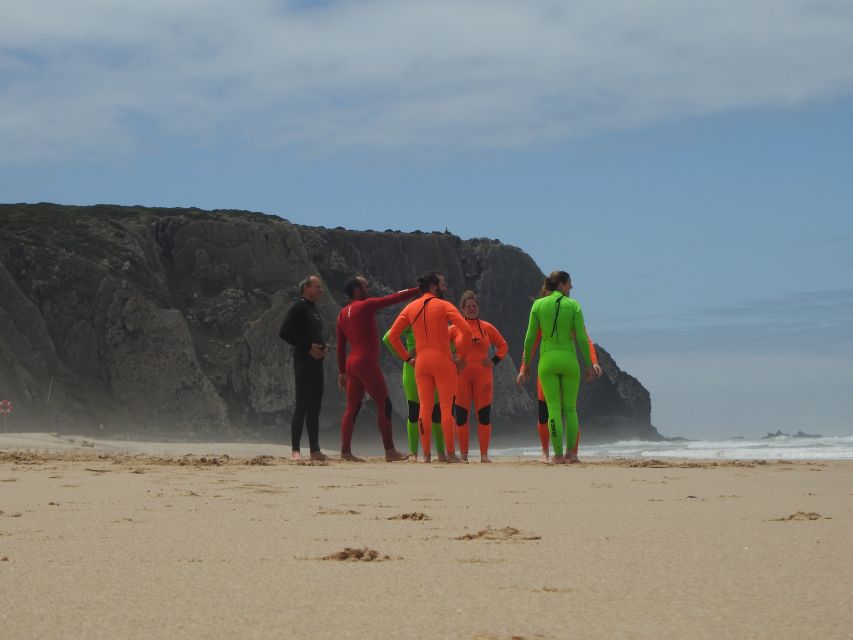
301, 328
559, 317
357, 326
542, 418
434, 368
475, 381
410, 388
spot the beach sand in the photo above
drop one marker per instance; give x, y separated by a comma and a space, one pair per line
135, 540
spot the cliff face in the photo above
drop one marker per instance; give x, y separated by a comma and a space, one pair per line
166, 320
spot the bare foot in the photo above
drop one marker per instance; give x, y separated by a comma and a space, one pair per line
350, 458
485, 460
392, 455
427, 458
296, 456
319, 456
464, 457
452, 458
442, 457
545, 458
573, 459
559, 460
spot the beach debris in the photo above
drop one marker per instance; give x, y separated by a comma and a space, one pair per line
416, 515
503, 534
337, 512
4, 559
98, 470
802, 515
262, 461
361, 555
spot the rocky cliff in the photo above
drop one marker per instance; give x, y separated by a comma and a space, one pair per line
165, 321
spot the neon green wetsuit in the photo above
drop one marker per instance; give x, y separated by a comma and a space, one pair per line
558, 316
410, 388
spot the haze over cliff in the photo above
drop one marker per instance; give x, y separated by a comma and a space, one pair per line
165, 321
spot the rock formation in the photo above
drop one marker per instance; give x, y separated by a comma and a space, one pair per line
165, 321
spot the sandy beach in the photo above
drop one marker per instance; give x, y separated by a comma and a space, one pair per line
106, 539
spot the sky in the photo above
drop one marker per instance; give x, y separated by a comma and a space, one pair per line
689, 163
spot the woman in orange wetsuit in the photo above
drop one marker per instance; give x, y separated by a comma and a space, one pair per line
474, 381
429, 316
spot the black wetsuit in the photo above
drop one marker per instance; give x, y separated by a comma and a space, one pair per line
301, 328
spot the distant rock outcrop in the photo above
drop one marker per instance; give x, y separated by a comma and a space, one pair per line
166, 321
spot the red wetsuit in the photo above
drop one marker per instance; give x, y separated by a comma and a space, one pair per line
542, 420
356, 326
474, 381
434, 368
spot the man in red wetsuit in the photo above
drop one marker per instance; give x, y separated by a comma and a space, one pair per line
359, 371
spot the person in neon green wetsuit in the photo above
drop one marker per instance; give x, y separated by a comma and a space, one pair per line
560, 319
410, 388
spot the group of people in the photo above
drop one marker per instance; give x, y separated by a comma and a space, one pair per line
448, 355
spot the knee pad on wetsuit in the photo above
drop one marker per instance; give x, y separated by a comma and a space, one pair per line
484, 415
414, 410
436, 413
461, 415
543, 412
388, 407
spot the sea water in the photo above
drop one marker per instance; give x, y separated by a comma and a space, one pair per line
775, 448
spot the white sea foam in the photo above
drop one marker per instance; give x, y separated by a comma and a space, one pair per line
777, 448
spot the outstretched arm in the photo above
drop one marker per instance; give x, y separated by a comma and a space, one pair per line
391, 299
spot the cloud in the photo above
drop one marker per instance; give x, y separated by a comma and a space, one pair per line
391, 74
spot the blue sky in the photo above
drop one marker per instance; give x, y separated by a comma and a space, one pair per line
688, 163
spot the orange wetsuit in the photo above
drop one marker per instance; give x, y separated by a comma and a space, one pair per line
542, 419
474, 381
434, 367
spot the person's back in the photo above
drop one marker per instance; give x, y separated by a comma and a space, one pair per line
560, 320
429, 316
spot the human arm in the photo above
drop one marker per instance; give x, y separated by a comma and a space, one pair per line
392, 337
391, 299
293, 328
498, 342
596, 371
341, 338
529, 338
584, 342
462, 335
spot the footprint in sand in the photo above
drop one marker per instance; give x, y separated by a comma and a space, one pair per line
417, 515
499, 535
802, 515
358, 555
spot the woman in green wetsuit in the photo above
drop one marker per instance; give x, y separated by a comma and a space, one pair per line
410, 388
560, 319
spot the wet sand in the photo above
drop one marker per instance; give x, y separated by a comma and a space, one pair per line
138, 540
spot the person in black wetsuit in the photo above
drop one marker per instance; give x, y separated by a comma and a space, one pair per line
303, 330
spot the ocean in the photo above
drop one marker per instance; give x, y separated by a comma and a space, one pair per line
775, 448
